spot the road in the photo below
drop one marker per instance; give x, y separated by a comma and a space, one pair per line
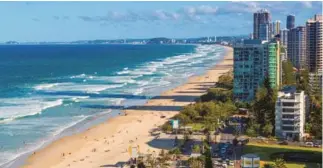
227, 136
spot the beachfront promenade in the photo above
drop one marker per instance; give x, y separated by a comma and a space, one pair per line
107, 144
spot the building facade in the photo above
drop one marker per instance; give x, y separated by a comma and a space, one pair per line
290, 22
248, 69
315, 82
290, 113
261, 17
314, 42
284, 37
276, 27
264, 33
296, 47
274, 64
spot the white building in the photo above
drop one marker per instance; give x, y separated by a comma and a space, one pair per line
290, 114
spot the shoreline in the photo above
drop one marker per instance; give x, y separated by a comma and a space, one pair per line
107, 142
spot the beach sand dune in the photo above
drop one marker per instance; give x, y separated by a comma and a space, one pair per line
106, 144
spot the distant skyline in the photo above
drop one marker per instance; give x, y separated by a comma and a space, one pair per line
71, 21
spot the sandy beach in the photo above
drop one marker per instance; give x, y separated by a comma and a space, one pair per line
106, 144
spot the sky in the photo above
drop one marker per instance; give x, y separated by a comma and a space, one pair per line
71, 21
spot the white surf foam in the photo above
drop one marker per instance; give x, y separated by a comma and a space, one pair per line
22, 107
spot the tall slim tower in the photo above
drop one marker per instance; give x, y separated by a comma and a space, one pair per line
296, 46
276, 27
314, 42
261, 17
283, 37
290, 21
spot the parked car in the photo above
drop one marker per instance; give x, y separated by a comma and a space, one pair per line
283, 143
309, 144
231, 163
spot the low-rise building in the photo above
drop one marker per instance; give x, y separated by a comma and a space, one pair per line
290, 114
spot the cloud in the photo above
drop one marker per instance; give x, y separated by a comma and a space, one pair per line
307, 4
199, 13
61, 18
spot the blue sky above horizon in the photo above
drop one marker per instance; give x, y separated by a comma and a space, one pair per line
69, 21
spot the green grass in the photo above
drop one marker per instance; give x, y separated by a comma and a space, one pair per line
265, 150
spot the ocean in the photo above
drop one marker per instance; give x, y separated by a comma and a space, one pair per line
48, 91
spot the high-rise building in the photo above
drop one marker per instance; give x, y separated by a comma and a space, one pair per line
261, 17
248, 69
274, 61
276, 27
315, 82
290, 113
283, 37
253, 61
296, 47
290, 21
314, 42
264, 33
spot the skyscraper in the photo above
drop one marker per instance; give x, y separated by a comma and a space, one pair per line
255, 60
248, 69
276, 27
314, 42
296, 46
273, 65
290, 21
283, 37
261, 17
264, 33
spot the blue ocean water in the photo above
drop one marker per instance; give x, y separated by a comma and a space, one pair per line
46, 89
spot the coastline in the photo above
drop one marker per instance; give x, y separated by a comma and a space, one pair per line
107, 142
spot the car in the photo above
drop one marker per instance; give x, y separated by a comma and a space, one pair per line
283, 143
224, 165
231, 163
215, 162
309, 144
223, 150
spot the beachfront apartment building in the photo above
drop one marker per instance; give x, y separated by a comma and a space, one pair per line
248, 69
254, 60
290, 114
274, 63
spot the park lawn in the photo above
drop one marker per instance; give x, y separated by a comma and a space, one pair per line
265, 150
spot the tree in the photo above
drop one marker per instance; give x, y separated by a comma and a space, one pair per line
303, 81
279, 163
183, 119
196, 149
190, 112
288, 73
163, 159
264, 106
166, 127
197, 162
267, 130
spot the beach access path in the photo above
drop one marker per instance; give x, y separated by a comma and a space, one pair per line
106, 144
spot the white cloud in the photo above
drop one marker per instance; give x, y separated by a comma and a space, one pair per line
307, 4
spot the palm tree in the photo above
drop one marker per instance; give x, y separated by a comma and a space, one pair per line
197, 162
